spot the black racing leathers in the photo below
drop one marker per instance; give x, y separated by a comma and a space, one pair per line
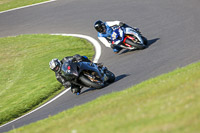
62, 79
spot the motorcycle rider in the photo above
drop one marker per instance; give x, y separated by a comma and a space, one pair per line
55, 65
105, 30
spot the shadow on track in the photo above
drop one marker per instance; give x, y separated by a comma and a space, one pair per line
116, 79
121, 77
150, 42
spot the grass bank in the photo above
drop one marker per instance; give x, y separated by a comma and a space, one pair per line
168, 103
26, 79
10, 4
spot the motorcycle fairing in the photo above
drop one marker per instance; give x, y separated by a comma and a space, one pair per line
132, 31
88, 66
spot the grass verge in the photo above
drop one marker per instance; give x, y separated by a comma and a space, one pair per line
26, 79
167, 103
10, 4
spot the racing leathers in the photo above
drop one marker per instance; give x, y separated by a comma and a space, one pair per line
61, 78
105, 37
117, 36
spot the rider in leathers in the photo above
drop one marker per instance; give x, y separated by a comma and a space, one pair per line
56, 65
105, 30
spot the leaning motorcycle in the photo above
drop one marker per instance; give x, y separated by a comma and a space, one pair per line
87, 74
133, 38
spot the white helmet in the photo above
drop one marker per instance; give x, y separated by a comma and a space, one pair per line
55, 65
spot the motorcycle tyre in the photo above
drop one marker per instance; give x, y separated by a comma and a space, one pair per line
138, 46
89, 83
111, 76
145, 40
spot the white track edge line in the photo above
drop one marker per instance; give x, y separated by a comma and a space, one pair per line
92, 40
27, 6
37, 108
96, 58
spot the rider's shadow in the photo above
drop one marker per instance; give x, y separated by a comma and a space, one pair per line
116, 79
149, 43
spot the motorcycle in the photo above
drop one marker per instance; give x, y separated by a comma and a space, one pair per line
87, 74
133, 38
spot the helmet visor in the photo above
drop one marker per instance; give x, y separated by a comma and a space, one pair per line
56, 69
101, 28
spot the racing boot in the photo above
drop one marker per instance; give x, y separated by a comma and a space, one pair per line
76, 90
116, 49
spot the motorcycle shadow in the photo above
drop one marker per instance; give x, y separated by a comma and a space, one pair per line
116, 79
149, 43
152, 41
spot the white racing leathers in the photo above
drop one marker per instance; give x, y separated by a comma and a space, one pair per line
105, 38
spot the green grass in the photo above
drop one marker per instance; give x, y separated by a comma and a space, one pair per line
168, 103
26, 79
10, 4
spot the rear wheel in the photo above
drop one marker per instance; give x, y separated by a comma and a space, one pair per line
137, 45
89, 83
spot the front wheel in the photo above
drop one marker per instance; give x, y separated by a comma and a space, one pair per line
111, 76
89, 83
145, 40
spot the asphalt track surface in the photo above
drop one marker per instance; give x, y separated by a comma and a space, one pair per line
171, 27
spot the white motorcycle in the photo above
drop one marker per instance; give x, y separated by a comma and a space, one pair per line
133, 39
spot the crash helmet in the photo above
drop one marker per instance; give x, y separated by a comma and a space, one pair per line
100, 26
55, 65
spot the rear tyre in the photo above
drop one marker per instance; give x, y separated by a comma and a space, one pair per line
89, 83
138, 46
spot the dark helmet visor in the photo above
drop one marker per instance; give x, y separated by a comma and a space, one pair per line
101, 28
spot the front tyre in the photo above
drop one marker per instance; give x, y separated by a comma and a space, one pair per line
111, 76
145, 41
89, 83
